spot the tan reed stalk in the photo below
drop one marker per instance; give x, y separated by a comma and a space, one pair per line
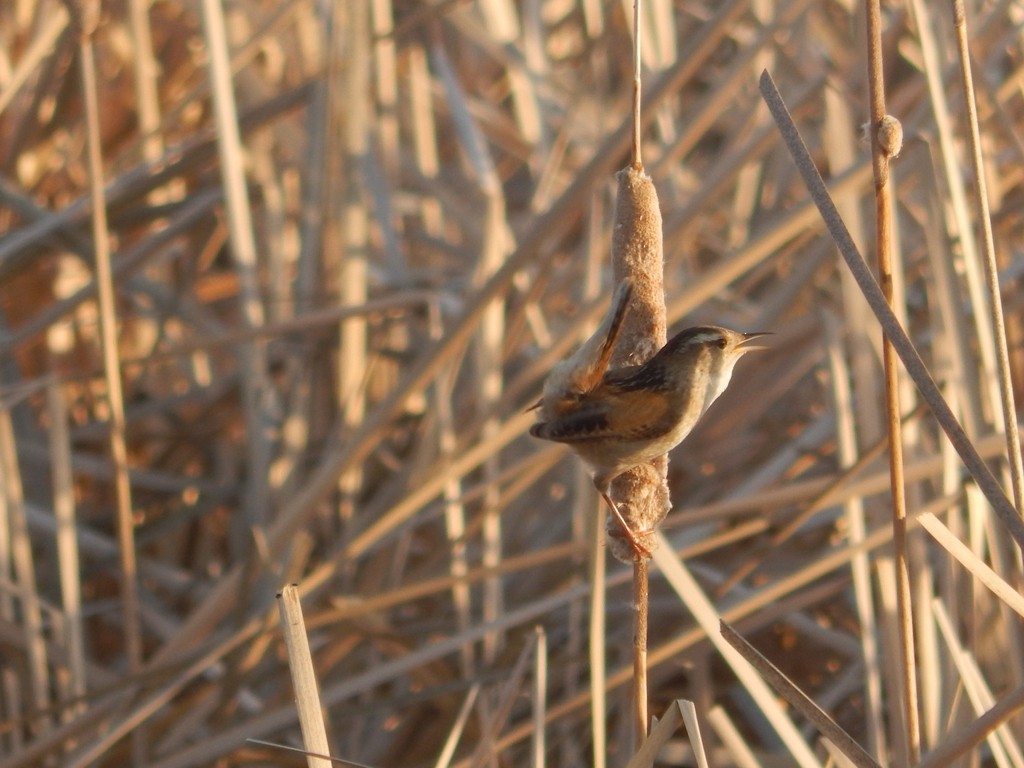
886, 142
309, 755
539, 699
488, 348
590, 525
458, 727
73, 630
385, 81
146, 72
641, 611
689, 712
300, 662
349, 235
637, 255
853, 365
864, 599
956, 219
501, 20
132, 628
453, 495
242, 245
320, 40
424, 136
981, 570
18, 563
597, 647
55, 21
995, 303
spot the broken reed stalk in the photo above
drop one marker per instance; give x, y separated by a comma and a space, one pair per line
991, 269
885, 144
300, 662
637, 254
679, 712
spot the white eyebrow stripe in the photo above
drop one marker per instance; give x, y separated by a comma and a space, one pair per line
705, 336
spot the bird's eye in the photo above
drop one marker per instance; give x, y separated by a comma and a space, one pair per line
720, 343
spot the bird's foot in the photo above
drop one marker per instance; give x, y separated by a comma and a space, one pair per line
642, 552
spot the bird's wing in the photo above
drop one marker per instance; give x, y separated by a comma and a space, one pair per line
583, 423
622, 418
643, 418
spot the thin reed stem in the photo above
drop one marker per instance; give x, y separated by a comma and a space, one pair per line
636, 149
995, 301
641, 576
641, 603
880, 156
132, 627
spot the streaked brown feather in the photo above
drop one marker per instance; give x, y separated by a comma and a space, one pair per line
608, 412
577, 426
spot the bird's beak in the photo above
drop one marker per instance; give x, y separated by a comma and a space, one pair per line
749, 337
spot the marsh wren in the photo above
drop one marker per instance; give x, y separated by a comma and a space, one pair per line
618, 419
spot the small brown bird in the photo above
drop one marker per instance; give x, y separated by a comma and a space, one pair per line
618, 419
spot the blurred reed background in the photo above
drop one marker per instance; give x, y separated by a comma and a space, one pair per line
337, 247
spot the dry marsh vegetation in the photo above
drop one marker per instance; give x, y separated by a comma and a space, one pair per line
279, 280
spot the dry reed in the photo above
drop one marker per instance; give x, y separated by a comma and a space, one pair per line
348, 240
